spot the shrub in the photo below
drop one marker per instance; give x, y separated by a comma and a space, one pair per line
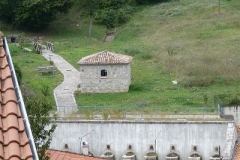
228, 99
18, 73
45, 90
132, 52
235, 100
105, 115
114, 14
136, 87
155, 60
197, 81
141, 2
145, 56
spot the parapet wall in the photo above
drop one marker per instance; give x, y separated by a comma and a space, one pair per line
233, 110
141, 134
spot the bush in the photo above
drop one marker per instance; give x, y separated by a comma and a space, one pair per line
132, 52
136, 87
18, 73
235, 100
114, 14
228, 99
141, 2
145, 56
197, 81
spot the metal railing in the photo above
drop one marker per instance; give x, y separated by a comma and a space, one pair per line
136, 112
221, 113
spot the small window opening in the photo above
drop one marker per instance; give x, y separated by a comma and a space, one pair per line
13, 39
103, 73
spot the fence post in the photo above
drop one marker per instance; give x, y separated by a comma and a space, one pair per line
49, 46
220, 113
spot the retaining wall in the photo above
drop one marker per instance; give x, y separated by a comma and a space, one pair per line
233, 110
140, 134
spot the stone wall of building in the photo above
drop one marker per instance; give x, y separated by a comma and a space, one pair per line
118, 78
141, 134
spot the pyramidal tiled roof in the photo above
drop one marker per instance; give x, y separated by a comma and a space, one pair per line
14, 144
105, 57
61, 155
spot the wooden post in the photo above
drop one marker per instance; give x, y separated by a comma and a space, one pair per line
49, 46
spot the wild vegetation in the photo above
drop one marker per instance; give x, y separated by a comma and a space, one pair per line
32, 15
38, 109
188, 42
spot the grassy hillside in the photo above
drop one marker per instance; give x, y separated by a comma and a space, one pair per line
33, 81
187, 41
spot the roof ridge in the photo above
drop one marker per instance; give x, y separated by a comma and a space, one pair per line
106, 57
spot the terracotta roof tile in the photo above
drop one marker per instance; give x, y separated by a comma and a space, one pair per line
237, 152
238, 129
1, 151
12, 150
9, 96
11, 136
4, 63
61, 155
11, 121
11, 108
237, 147
5, 73
23, 139
105, 57
14, 144
26, 152
7, 84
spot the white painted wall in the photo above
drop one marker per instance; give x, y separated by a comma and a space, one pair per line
119, 134
233, 110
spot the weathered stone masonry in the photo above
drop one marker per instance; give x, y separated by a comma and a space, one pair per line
105, 72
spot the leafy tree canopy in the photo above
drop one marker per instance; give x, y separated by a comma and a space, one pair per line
141, 2
38, 108
114, 13
110, 13
32, 14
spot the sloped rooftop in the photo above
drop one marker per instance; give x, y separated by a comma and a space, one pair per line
14, 142
105, 57
60, 155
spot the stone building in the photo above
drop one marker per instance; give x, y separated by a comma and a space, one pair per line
105, 72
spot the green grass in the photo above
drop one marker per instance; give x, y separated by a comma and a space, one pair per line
187, 41
31, 78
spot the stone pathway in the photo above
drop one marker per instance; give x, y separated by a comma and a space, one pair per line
64, 93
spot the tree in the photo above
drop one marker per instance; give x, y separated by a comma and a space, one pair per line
38, 109
110, 13
32, 14
115, 13
88, 7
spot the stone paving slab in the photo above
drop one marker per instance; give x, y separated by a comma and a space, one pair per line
64, 93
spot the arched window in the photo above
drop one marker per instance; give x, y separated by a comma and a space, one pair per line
103, 73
